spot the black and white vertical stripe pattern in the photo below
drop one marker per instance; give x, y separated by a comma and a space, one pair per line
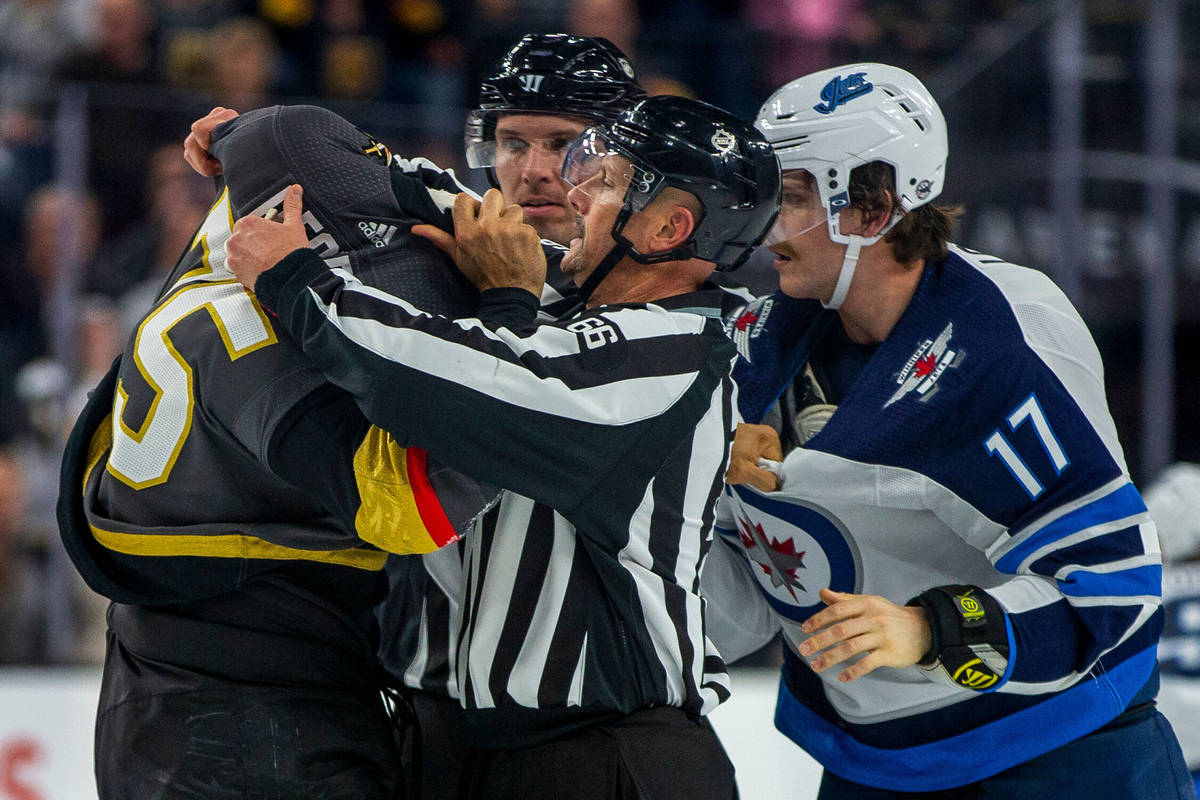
419, 621
619, 419
544, 599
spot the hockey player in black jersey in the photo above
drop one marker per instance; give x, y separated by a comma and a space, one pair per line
238, 509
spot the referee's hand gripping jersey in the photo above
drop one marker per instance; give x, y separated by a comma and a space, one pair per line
236, 506
610, 431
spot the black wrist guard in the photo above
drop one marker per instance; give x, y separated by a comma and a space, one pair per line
969, 638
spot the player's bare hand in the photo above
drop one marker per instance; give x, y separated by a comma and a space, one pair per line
751, 443
856, 624
197, 143
258, 243
492, 245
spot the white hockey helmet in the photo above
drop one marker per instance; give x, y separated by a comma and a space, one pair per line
830, 122
834, 120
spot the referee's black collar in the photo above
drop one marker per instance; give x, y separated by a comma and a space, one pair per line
705, 301
711, 299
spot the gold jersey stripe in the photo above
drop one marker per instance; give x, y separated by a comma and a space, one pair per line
388, 515
230, 545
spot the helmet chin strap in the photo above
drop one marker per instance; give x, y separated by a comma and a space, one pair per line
620, 248
614, 255
623, 247
855, 243
846, 275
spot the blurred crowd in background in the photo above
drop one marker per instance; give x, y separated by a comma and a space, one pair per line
96, 202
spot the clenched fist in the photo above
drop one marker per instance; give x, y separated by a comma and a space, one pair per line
492, 245
751, 443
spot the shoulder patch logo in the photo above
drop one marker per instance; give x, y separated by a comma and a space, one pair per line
840, 91
748, 324
927, 363
745, 320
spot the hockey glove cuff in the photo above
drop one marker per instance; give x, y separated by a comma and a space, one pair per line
969, 637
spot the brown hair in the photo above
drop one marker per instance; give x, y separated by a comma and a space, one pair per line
922, 232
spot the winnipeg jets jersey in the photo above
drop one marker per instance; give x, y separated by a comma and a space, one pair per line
974, 447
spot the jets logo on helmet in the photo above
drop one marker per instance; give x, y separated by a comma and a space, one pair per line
841, 90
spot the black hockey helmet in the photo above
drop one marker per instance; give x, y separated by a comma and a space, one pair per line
551, 73
727, 164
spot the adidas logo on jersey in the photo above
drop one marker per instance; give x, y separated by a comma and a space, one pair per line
379, 233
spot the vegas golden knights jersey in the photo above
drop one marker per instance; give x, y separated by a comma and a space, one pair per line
215, 475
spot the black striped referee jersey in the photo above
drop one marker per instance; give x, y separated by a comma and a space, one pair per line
419, 620
609, 430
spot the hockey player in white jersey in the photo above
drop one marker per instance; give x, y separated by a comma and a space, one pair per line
935, 510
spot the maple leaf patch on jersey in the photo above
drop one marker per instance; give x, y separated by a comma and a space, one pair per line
927, 363
748, 324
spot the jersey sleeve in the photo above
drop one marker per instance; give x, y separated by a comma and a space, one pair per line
548, 413
1077, 538
392, 497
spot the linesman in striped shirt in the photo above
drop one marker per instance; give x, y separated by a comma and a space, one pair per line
543, 93
582, 660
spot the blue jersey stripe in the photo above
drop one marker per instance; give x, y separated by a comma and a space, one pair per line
1122, 503
1134, 582
1106, 549
977, 753
1053, 645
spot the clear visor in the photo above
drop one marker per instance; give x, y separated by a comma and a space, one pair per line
499, 139
603, 172
800, 209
